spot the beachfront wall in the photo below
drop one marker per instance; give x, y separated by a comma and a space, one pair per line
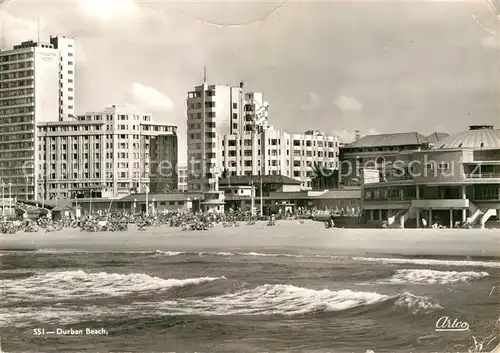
137, 203
324, 200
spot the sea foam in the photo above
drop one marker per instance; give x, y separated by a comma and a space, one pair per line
435, 277
81, 284
289, 300
464, 263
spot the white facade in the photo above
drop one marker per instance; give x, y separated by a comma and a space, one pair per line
212, 111
229, 129
108, 150
256, 112
277, 152
29, 95
66, 49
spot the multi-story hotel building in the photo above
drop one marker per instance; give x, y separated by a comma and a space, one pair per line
212, 111
112, 152
376, 151
456, 180
275, 152
36, 86
229, 129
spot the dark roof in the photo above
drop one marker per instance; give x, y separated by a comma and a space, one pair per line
266, 179
383, 140
475, 138
436, 136
171, 196
48, 204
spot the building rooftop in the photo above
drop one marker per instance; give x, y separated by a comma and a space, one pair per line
386, 140
266, 179
477, 137
437, 136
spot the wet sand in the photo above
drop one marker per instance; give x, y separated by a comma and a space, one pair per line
286, 237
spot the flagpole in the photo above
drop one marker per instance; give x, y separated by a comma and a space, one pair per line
147, 204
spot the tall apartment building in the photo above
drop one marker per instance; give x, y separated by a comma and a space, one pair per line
109, 152
66, 50
213, 111
31, 77
275, 152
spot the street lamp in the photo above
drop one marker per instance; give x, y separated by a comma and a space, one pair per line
261, 202
10, 199
153, 208
42, 190
253, 198
134, 206
3, 200
146, 188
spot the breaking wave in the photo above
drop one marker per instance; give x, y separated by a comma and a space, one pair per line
80, 284
417, 304
494, 264
433, 276
279, 299
222, 253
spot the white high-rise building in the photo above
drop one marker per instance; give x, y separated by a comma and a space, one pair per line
228, 129
212, 110
275, 152
30, 82
66, 48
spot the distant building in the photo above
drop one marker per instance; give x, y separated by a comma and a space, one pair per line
229, 132
37, 83
376, 151
275, 152
212, 111
104, 154
456, 180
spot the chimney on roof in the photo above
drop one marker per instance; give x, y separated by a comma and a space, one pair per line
356, 135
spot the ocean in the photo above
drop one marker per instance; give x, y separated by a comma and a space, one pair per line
262, 301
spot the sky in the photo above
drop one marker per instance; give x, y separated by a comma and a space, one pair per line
335, 66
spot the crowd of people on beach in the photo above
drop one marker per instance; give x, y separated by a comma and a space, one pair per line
113, 221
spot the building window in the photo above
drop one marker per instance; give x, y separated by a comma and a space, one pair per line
443, 166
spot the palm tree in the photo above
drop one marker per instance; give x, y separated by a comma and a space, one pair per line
224, 174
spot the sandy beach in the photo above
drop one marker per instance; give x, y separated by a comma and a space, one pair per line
284, 238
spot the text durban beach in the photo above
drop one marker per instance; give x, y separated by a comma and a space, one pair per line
70, 332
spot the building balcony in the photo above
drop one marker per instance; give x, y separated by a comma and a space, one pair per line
441, 203
483, 176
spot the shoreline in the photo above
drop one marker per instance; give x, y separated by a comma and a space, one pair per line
286, 237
